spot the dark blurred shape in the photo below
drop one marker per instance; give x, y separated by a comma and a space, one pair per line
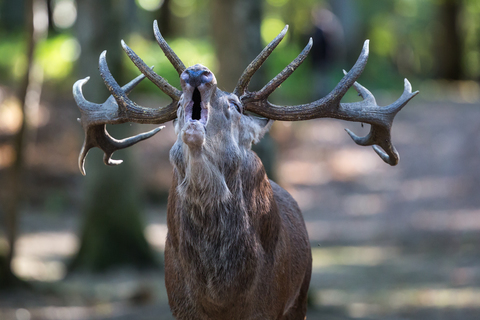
449, 40
143, 295
12, 14
327, 36
328, 48
165, 19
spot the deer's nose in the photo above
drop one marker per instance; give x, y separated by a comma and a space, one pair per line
196, 76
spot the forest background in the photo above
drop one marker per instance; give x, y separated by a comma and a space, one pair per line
91, 247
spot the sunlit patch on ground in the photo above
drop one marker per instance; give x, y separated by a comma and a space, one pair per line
41, 256
305, 173
347, 164
105, 310
351, 256
364, 204
455, 220
431, 187
361, 304
347, 230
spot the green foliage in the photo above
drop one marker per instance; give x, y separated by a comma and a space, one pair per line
184, 8
295, 13
297, 88
57, 56
403, 36
14, 59
471, 29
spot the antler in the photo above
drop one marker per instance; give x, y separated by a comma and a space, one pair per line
366, 111
247, 75
118, 108
169, 53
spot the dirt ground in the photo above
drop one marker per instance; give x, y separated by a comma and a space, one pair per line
389, 243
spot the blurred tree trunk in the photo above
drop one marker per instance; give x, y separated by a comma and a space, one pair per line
236, 33
165, 19
347, 13
12, 14
112, 233
449, 42
31, 82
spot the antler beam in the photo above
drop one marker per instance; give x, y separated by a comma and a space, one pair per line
118, 108
366, 111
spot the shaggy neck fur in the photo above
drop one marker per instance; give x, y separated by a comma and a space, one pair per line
216, 204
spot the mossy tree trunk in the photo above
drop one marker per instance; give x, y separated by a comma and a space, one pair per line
112, 233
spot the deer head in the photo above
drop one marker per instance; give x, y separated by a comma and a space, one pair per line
212, 130
210, 121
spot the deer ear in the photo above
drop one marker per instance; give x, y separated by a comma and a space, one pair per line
260, 127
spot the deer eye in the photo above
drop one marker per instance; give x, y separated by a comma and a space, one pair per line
234, 104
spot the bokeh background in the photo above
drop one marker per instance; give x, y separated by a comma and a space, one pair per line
388, 242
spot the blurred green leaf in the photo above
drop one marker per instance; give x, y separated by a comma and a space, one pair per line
14, 59
57, 56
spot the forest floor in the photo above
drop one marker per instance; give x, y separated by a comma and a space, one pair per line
388, 243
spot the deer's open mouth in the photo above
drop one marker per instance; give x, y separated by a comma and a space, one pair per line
196, 109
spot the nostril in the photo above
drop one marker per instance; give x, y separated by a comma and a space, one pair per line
196, 76
207, 77
185, 76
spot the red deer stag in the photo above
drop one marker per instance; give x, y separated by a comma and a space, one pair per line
237, 246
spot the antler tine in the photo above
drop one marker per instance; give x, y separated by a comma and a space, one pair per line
129, 111
95, 111
380, 134
118, 108
367, 110
247, 75
271, 86
169, 53
98, 136
160, 82
347, 81
260, 105
93, 123
82, 103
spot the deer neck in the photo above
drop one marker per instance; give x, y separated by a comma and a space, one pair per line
215, 221
208, 179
